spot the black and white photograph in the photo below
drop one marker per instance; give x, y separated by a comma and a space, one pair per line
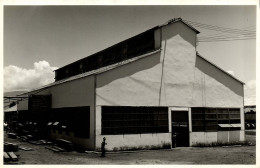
129, 84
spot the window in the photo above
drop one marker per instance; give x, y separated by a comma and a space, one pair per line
198, 117
211, 119
134, 120
73, 119
130, 48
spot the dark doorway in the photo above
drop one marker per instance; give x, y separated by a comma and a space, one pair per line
180, 129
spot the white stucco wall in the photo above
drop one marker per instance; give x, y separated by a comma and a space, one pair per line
214, 88
187, 81
216, 137
22, 105
76, 93
203, 138
138, 83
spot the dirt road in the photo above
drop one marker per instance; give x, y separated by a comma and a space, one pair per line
187, 155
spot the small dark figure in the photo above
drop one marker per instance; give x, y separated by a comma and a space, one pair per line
174, 136
103, 147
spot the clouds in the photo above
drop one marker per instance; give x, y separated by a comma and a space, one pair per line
16, 78
250, 92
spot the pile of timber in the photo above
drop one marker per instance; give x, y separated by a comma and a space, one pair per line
40, 142
64, 144
56, 149
61, 145
25, 148
12, 135
10, 156
27, 138
9, 149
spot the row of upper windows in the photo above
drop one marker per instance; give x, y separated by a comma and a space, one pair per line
130, 48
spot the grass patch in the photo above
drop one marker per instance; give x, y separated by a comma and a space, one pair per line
215, 144
142, 147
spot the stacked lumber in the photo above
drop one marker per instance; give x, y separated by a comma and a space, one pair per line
10, 156
12, 135
25, 148
8, 147
65, 144
6, 157
27, 138
40, 142
56, 149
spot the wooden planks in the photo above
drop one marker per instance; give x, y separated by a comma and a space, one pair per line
6, 157
55, 149
10, 156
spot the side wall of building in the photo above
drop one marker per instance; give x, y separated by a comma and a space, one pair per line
75, 93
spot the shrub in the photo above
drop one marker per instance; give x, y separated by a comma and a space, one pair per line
156, 147
166, 145
147, 147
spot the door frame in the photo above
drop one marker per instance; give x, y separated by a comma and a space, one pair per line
186, 109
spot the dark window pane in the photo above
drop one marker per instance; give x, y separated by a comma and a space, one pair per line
198, 116
134, 120
198, 128
223, 121
234, 111
222, 111
223, 116
237, 121
234, 116
211, 117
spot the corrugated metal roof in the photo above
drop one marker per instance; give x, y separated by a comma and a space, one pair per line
11, 109
219, 68
94, 72
249, 109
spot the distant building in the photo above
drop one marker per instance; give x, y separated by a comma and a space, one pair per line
141, 92
10, 116
250, 117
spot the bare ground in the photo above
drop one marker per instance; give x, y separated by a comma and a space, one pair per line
185, 155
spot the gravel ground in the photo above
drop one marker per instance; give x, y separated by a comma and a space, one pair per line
177, 156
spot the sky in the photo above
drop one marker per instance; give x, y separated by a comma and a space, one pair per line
40, 39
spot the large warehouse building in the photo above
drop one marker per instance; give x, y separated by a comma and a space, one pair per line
141, 92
